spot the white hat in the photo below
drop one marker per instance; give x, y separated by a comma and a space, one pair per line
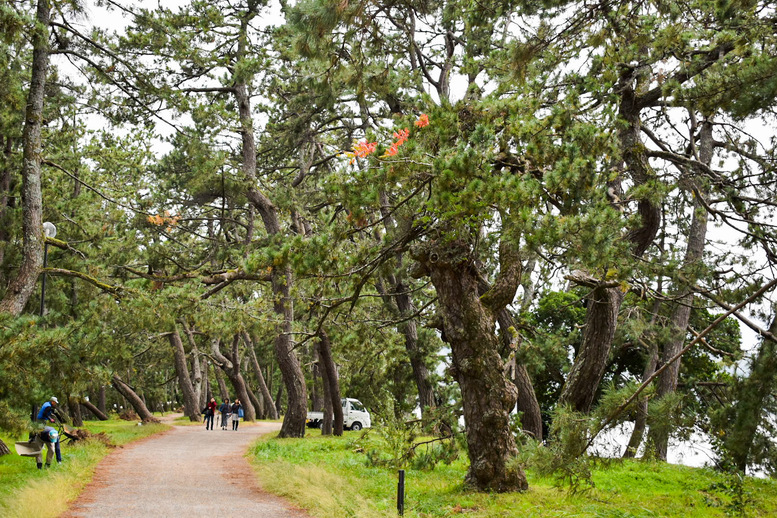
54, 399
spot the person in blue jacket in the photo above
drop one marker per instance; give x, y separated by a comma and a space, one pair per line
47, 414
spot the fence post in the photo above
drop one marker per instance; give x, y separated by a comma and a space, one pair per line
401, 493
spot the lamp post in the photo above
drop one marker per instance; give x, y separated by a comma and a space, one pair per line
49, 230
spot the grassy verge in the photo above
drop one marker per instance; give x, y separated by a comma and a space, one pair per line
330, 477
26, 491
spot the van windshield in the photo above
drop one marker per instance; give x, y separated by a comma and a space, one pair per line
355, 405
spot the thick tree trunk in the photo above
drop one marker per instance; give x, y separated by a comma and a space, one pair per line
101, 400
488, 397
191, 408
23, 284
230, 365
681, 311
605, 301
268, 404
75, 411
133, 399
99, 414
600, 323
331, 382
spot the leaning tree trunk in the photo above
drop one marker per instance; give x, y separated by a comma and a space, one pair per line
405, 309
134, 400
681, 312
223, 391
469, 326
191, 406
22, 286
269, 405
231, 367
196, 371
331, 382
281, 275
94, 410
591, 360
4, 449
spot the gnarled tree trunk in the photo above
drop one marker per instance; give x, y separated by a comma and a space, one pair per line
469, 326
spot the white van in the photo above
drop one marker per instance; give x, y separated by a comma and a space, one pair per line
355, 416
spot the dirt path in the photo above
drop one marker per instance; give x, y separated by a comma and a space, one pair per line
188, 471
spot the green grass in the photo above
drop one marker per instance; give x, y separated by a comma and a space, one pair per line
23, 487
330, 477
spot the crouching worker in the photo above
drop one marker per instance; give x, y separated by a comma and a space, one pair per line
50, 438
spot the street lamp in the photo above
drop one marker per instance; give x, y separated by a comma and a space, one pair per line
49, 230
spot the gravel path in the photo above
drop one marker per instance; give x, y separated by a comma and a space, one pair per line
187, 472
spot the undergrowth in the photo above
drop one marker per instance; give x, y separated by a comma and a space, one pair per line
335, 476
27, 491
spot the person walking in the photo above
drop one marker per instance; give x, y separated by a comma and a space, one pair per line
210, 413
237, 413
225, 410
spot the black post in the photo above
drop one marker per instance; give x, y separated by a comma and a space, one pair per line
43, 281
401, 493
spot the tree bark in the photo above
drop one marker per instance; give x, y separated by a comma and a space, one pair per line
404, 308
601, 320
191, 406
469, 322
604, 302
196, 370
681, 311
269, 405
4, 450
291, 371
223, 391
331, 382
133, 399
231, 367
75, 411
94, 410
101, 400
527, 403
23, 284
326, 422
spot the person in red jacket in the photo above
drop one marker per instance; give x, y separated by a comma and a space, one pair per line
210, 412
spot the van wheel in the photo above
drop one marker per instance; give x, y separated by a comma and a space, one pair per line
356, 426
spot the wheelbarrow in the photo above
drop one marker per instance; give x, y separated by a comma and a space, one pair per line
31, 448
